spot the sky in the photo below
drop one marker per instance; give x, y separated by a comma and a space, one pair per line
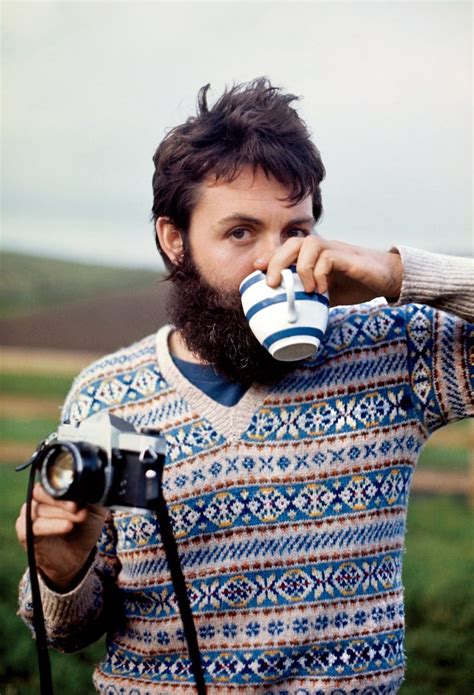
90, 89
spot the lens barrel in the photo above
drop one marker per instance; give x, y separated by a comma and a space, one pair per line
74, 471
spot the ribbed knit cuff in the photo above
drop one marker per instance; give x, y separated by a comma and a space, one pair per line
443, 281
74, 604
58, 607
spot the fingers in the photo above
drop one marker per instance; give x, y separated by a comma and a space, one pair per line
320, 274
320, 262
51, 527
314, 262
43, 524
40, 495
284, 256
50, 517
310, 258
48, 511
20, 526
328, 261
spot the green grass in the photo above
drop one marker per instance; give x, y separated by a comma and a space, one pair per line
445, 459
27, 430
439, 598
49, 385
32, 283
449, 454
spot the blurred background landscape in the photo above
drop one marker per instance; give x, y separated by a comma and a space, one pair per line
89, 90
65, 305
57, 316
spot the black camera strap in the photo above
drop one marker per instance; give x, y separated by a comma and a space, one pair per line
179, 586
44, 666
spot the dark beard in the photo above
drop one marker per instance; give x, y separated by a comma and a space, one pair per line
213, 326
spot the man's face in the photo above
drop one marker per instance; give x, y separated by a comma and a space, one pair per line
232, 226
235, 223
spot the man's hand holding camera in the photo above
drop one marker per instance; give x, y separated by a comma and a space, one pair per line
65, 535
103, 462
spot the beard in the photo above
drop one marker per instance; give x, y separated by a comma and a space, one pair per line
214, 328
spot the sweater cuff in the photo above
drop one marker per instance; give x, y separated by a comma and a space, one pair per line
443, 281
59, 608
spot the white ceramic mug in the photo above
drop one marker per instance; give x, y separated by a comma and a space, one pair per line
289, 322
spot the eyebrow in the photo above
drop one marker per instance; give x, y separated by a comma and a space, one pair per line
240, 217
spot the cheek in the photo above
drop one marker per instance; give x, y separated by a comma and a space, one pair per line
227, 269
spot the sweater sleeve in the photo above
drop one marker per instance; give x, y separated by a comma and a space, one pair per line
437, 296
79, 617
444, 282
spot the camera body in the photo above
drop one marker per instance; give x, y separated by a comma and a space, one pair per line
104, 461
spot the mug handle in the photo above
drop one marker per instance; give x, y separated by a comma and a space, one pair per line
288, 282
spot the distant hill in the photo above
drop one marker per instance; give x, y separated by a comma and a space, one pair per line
29, 283
70, 306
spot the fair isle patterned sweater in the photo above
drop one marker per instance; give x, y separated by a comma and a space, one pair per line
288, 508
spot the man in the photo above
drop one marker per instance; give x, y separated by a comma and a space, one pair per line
287, 485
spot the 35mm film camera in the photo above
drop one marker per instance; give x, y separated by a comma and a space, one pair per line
103, 461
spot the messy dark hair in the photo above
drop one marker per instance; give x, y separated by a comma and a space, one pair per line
250, 125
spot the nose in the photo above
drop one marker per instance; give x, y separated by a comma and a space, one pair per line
267, 246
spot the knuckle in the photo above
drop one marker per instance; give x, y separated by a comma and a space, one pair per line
38, 493
313, 244
304, 268
313, 240
82, 515
292, 241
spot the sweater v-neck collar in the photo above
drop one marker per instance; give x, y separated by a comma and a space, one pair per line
230, 421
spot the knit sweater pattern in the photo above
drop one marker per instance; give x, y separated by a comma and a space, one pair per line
289, 510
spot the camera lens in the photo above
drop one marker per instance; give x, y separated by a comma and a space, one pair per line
60, 469
74, 471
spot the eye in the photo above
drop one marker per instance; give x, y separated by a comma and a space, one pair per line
296, 232
240, 234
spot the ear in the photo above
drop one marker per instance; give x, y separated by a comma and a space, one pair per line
170, 239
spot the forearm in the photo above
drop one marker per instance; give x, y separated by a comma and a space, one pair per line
73, 619
445, 282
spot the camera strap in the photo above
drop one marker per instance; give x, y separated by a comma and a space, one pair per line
44, 666
179, 586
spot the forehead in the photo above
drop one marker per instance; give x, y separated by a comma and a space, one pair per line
249, 192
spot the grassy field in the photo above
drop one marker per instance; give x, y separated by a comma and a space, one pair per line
31, 283
438, 568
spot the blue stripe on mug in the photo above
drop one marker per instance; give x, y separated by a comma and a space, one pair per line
315, 296
255, 308
258, 276
299, 296
290, 332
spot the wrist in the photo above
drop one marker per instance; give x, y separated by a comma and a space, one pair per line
63, 582
395, 275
